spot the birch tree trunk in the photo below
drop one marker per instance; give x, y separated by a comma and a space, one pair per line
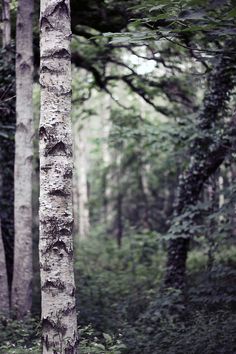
22, 273
59, 323
75, 198
81, 169
6, 31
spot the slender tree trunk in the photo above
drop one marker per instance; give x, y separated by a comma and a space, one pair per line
59, 322
107, 159
119, 232
4, 292
231, 177
119, 204
82, 187
208, 156
22, 274
75, 199
6, 31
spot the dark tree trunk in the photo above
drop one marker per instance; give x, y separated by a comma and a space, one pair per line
7, 153
208, 154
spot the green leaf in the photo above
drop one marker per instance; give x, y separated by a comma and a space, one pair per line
158, 7
231, 13
107, 337
192, 15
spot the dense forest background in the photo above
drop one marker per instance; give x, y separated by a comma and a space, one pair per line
154, 193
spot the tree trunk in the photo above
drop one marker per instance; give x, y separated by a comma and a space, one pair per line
6, 31
82, 187
75, 199
4, 294
59, 323
208, 156
119, 231
105, 113
22, 274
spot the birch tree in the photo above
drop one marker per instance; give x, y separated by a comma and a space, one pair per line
82, 187
59, 323
6, 31
22, 274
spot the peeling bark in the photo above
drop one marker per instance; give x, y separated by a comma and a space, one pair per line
22, 274
59, 323
208, 156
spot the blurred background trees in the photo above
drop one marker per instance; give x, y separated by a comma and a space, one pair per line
154, 175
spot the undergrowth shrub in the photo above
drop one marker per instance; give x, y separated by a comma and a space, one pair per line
18, 337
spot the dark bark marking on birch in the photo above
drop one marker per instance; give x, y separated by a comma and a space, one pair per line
48, 323
45, 23
59, 149
61, 8
42, 132
57, 284
59, 245
59, 193
46, 167
61, 54
46, 69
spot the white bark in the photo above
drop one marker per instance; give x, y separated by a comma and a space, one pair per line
75, 199
59, 323
4, 295
22, 276
6, 31
81, 170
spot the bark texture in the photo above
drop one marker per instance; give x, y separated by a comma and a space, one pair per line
4, 295
59, 323
209, 153
22, 273
6, 31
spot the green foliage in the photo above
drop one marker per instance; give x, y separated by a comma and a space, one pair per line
202, 333
173, 18
114, 285
90, 344
119, 292
19, 337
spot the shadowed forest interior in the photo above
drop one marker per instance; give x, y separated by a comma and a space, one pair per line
118, 177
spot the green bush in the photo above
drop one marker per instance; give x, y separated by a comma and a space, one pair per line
18, 337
